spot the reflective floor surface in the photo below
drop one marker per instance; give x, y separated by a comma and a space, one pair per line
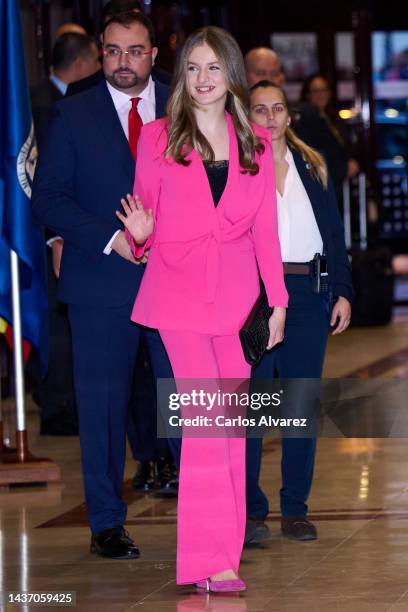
359, 504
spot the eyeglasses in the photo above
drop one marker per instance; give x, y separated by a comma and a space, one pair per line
134, 53
277, 108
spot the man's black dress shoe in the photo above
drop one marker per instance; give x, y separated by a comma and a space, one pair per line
298, 528
168, 489
256, 532
166, 478
143, 480
114, 543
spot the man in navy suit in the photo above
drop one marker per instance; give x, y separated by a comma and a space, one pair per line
85, 167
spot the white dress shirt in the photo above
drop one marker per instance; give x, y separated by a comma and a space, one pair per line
299, 234
146, 107
60, 85
147, 111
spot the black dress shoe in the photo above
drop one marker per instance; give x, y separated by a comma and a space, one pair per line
256, 532
298, 528
143, 480
115, 544
166, 478
168, 489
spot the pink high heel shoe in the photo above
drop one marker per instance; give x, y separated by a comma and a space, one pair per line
221, 586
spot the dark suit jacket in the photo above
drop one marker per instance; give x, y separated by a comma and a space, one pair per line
328, 219
43, 97
315, 131
83, 84
85, 167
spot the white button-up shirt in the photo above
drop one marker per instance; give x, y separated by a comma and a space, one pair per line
299, 234
147, 111
60, 85
146, 107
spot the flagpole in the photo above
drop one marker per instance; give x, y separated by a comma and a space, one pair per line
20, 466
21, 432
20, 239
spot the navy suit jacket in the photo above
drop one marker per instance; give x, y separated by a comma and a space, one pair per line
331, 229
84, 168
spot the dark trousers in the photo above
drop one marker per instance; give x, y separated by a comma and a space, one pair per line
142, 415
300, 355
105, 344
56, 391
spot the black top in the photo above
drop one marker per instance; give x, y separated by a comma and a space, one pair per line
217, 173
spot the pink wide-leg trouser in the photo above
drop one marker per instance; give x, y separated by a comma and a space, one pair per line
211, 500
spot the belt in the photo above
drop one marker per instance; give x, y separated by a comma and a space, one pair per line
296, 268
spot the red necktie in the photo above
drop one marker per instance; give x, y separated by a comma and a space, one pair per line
135, 125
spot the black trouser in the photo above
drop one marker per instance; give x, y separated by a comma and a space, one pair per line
300, 355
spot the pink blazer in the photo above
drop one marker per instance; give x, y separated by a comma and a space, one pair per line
202, 272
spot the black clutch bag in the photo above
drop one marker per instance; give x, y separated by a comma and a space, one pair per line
254, 334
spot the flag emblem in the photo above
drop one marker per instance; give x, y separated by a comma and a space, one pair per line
26, 162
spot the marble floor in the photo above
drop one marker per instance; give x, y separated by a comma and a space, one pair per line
359, 504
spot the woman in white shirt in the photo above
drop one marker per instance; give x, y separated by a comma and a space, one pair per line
309, 224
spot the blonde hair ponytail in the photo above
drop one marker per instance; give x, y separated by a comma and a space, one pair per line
310, 156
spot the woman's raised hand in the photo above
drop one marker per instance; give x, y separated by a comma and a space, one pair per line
138, 221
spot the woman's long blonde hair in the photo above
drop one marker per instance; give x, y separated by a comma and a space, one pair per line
183, 132
317, 164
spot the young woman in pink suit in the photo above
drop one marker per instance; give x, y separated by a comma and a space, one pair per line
205, 205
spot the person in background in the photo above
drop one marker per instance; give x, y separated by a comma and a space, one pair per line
207, 208
309, 223
70, 28
263, 63
308, 124
74, 55
318, 91
87, 160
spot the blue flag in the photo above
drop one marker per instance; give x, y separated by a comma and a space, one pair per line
18, 154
